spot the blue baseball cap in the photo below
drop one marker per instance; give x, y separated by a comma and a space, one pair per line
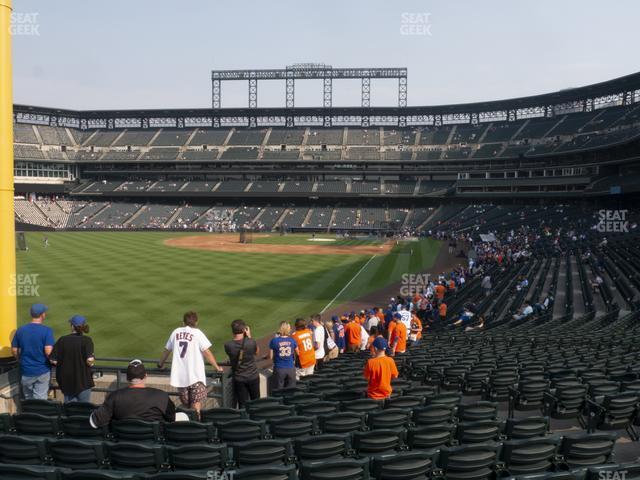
380, 343
334, 318
397, 315
38, 309
77, 320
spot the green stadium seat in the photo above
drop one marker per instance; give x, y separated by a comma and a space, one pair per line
37, 425
136, 457
22, 450
262, 452
178, 433
28, 472
197, 456
77, 454
321, 447
42, 407
135, 430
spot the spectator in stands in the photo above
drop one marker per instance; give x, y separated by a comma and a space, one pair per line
597, 283
338, 334
242, 351
464, 319
306, 360
353, 334
525, 311
330, 345
442, 313
283, 350
73, 358
187, 367
544, 305
135, 401
31, 346
319, 339
379, 371
415, 333
486, 285
398, 335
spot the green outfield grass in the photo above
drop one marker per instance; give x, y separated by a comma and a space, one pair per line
134, 290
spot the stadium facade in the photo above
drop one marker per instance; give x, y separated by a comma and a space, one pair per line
324, 168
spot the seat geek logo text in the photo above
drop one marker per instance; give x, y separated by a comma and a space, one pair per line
612, 221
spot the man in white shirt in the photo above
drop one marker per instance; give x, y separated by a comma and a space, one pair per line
372, 321
527, 310
191, 347
406, 318
318, 338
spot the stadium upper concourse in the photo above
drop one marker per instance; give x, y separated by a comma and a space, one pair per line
574, 144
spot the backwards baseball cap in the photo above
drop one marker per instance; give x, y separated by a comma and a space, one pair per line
77, 320
380, 343
38, 309
136, 371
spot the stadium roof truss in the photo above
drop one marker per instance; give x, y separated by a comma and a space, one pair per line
620, 91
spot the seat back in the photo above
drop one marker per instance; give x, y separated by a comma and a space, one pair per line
376, 441
320, 408
530, 427
471, 462
262, 452
364, 405
77, 454
221, 415
292, 427
342, 422
79, 408
427, 437
477, 411
22, 450
136, 457
197, 456
272, 412
135, 430
25, 472
41, 407
347, 469
179, 433
585, 450
36, 424
402, 465
478, 432
242, 430
78, 426
523, 457
432, 414
273, 472
389, 418
405, 401
321, 447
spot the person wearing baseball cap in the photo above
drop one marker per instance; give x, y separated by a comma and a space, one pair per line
31, 346
73, 358
379, 371
137, 400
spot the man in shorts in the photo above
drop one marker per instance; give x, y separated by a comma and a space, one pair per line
190, 347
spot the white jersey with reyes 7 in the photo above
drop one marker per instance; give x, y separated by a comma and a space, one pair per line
187, 366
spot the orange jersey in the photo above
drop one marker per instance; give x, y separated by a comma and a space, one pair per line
353, 333
442, 309
452, 285
306, 352
390, 328
416, 327
399, 335
360, 319
440, 291
379, 371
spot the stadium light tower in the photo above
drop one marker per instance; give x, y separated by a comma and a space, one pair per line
8, 311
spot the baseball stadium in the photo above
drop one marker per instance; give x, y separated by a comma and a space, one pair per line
445, 291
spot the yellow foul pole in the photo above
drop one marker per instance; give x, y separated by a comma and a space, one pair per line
8, 312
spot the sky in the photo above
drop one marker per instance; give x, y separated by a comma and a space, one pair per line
125, 54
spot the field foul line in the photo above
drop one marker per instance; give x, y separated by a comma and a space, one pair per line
345, 287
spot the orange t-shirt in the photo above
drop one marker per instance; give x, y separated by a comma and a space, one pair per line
390, 328
439, 291
416, 324
379, 371
352, 332
452, 285
443, 309
360, 319
380, 315
400, 334
306, 352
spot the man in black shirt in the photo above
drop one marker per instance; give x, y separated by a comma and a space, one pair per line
135, 401
73, 357
242, 352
